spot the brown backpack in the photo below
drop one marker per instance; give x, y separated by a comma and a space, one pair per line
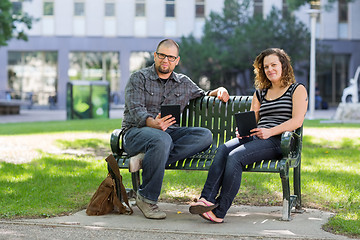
105, 199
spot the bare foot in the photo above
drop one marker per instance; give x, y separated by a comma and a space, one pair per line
202, 206
201, 202
210, 216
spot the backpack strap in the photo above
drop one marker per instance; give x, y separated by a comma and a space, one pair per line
118, 181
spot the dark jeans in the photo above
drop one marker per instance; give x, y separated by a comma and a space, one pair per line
226, 170
161, 149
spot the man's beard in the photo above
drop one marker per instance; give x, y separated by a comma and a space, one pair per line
167, 70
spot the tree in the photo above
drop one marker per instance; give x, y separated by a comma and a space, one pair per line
13, 23
233, 39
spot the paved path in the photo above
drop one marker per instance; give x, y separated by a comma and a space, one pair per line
242, 222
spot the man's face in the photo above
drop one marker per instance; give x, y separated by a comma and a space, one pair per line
162, 63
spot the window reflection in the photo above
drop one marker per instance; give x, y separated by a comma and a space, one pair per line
32, 76
140, 60
95, 66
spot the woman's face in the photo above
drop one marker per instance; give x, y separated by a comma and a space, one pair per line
272, 68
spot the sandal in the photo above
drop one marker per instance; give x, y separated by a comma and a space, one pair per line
208, 218
200, 209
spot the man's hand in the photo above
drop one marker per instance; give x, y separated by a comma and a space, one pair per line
159, 122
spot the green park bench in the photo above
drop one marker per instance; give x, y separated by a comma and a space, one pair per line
211, 113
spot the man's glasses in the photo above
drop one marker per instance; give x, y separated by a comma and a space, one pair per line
169, 57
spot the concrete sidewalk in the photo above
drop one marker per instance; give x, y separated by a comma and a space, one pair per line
242, 222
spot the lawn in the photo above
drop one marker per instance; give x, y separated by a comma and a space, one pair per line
52, 185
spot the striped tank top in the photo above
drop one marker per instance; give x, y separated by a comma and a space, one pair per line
277, 111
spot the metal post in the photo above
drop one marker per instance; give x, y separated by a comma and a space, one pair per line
313, 15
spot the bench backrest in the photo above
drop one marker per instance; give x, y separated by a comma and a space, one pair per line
211, 113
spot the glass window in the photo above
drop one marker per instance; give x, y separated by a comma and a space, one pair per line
95, 66
16, 7
140, 8
139, 60
170, 8
79, 9
200, 9
285, 8
48, 8
33, 75
343, 11
258, 7
109, 9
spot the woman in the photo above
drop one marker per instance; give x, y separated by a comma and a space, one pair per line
280, 105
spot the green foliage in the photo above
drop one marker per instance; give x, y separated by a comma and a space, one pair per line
233, 39
13, 24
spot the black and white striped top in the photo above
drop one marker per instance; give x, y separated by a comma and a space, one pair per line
277, 111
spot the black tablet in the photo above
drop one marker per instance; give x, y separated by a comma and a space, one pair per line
245, 121
171, 109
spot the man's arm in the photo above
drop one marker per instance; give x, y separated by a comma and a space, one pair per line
221, 93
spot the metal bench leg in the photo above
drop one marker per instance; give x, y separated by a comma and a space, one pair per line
297, 189
284, 175
135, 177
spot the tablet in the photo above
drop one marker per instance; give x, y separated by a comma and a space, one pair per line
245, 121
173, 110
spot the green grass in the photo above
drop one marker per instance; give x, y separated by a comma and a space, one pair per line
48, 186
318, 124
93, 125
93, 143
59, 184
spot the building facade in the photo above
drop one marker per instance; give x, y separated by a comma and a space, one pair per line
108, 39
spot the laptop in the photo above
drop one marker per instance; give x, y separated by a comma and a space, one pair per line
245, 121
171, 109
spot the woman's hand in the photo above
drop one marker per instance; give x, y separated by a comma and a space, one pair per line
262, 133
223, 94
238, 135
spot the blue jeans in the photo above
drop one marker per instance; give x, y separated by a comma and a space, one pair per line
226, 170
162, 148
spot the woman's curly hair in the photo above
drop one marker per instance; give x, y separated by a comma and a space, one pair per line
287, 76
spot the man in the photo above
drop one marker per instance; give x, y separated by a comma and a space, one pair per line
148, 132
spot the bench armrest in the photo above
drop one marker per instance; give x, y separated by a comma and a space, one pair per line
115, 142
291, 143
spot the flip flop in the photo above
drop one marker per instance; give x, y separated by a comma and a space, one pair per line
209, 218
199, 209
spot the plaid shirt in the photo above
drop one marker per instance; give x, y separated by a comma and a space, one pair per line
145, 92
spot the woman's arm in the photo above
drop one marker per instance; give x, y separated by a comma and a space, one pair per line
300, 103
255, 106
